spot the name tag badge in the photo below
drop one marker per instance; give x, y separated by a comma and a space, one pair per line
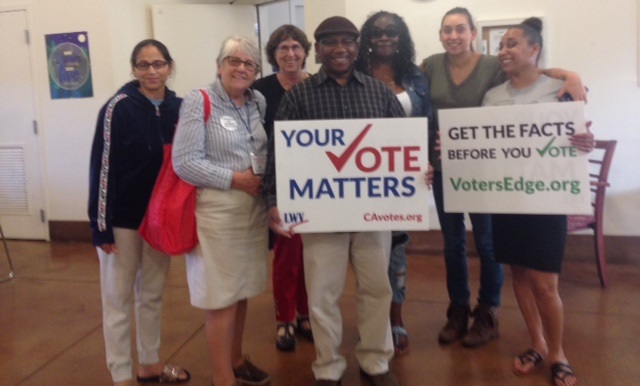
228, 123
258, 163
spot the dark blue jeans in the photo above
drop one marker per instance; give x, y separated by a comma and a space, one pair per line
455, 253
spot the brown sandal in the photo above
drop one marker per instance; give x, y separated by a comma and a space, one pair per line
170, 374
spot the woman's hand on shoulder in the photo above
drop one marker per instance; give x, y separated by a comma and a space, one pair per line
247, 181
573, 86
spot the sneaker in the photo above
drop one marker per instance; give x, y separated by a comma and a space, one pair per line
484, 328
285, 337
457, 324
384, 379
249, 374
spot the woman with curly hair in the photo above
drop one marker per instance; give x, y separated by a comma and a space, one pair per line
287, 51
387, 53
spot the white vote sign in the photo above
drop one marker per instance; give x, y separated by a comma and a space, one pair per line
514, 159
352, 175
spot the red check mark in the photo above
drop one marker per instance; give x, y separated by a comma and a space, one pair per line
298, 223
340, 161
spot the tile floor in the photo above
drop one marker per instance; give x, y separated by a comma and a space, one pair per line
51, 332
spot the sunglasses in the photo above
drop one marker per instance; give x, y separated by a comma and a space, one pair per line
390, 32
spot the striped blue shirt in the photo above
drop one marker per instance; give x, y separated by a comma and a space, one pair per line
208, 155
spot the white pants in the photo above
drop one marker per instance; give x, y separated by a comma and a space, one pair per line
137, 269
326, 258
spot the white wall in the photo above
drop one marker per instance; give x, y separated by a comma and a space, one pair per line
592, 37
198, 68
66, 125
129, 23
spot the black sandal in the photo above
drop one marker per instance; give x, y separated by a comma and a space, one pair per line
285, 339
400, 340
561, 371
304, 328
530, 356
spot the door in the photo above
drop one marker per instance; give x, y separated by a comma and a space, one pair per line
21, 196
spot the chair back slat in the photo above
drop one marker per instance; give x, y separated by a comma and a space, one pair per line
599, 174
600, 160
609, 149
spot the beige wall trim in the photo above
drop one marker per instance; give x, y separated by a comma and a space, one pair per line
70, 231
620, 249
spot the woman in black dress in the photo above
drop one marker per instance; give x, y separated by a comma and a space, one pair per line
533, 245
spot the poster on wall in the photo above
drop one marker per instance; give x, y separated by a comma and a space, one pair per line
68, 65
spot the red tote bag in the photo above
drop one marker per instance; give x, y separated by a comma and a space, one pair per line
169, 225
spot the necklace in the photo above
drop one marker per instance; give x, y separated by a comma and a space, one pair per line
387, 79
385, 76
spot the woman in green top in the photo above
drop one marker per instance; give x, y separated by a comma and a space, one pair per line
459, 78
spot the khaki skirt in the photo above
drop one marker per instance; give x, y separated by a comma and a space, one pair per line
230, 262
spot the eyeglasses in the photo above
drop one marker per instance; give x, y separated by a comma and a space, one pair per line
391, 32
236, 62
285, 49
144, 66
331, 43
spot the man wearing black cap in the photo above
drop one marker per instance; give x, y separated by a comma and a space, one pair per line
337, 91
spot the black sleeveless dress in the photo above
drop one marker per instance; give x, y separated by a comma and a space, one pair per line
531, 241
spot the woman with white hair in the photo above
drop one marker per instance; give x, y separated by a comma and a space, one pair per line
221, 154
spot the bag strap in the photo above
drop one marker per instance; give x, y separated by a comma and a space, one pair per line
207, 105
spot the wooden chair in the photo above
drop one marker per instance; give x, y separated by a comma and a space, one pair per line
6, 250
600, 163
